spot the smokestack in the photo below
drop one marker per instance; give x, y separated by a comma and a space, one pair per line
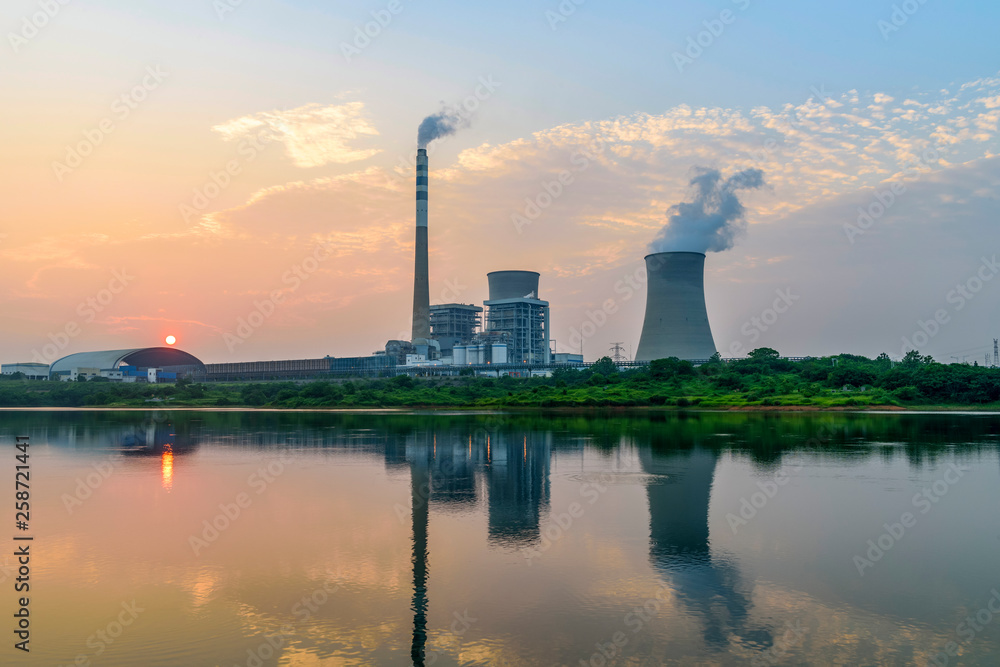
421, 283
676, 323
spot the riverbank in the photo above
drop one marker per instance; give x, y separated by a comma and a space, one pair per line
761, 383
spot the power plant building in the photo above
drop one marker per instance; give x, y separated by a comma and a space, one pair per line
676, 322
517, 317
30, 370
455, 324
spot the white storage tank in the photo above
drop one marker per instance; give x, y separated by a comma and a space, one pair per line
459, 354
500, 353
474, 354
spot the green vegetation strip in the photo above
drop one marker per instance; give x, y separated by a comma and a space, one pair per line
763, 380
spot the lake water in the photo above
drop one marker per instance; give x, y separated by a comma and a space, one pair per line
313, 538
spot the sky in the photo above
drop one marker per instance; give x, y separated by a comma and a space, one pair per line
238, 173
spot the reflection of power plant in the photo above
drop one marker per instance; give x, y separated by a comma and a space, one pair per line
447, 471
150, 437
679, 548
517, 479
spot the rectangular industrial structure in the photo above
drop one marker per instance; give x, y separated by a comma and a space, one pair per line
455, 324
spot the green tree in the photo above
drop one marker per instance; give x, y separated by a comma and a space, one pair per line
604, 366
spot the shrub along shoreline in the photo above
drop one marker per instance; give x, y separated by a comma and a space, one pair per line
763, 381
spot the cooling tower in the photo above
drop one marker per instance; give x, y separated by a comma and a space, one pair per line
676, 323
513, 284
421, 284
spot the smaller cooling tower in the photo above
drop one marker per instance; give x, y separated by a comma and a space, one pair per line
513, 284
676, 323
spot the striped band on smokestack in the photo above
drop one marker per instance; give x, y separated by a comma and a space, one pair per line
421, 283
422, 173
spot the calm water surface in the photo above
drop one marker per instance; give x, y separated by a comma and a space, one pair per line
266, 538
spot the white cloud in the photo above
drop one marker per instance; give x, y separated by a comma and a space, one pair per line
314, 135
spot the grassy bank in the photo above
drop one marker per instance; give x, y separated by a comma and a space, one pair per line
763, 381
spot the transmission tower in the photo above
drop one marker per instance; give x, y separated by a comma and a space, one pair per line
996, 354
616, 352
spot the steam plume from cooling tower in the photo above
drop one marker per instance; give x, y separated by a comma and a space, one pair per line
442, 124
714, 220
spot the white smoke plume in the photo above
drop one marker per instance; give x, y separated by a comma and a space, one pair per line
714, 220
443, 123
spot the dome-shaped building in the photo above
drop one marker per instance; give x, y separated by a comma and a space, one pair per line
144, 364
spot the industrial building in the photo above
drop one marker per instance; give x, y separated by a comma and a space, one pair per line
517, 314
30, 370
146, 364
676, 322
455, 324
510, 333
517, 327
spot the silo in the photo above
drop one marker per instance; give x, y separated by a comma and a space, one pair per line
676, 322
458, 355
499, 353
472, 354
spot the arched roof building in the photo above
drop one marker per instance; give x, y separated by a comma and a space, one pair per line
168, 359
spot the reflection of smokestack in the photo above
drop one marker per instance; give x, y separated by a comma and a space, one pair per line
421, 284
676, 323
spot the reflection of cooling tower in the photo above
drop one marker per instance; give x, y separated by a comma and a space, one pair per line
512, 284
676, 323
421, 284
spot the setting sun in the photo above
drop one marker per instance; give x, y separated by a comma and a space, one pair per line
171, 340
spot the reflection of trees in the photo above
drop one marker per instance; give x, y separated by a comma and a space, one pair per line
765, 437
